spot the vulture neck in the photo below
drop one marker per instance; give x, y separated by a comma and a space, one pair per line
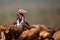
20, 21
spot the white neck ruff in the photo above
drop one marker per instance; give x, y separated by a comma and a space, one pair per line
18, 24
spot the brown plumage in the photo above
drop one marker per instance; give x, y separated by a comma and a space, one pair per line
56, 35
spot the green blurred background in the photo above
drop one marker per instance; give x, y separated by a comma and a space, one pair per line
45, 12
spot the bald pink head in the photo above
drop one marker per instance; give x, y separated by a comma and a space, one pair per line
22, 11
